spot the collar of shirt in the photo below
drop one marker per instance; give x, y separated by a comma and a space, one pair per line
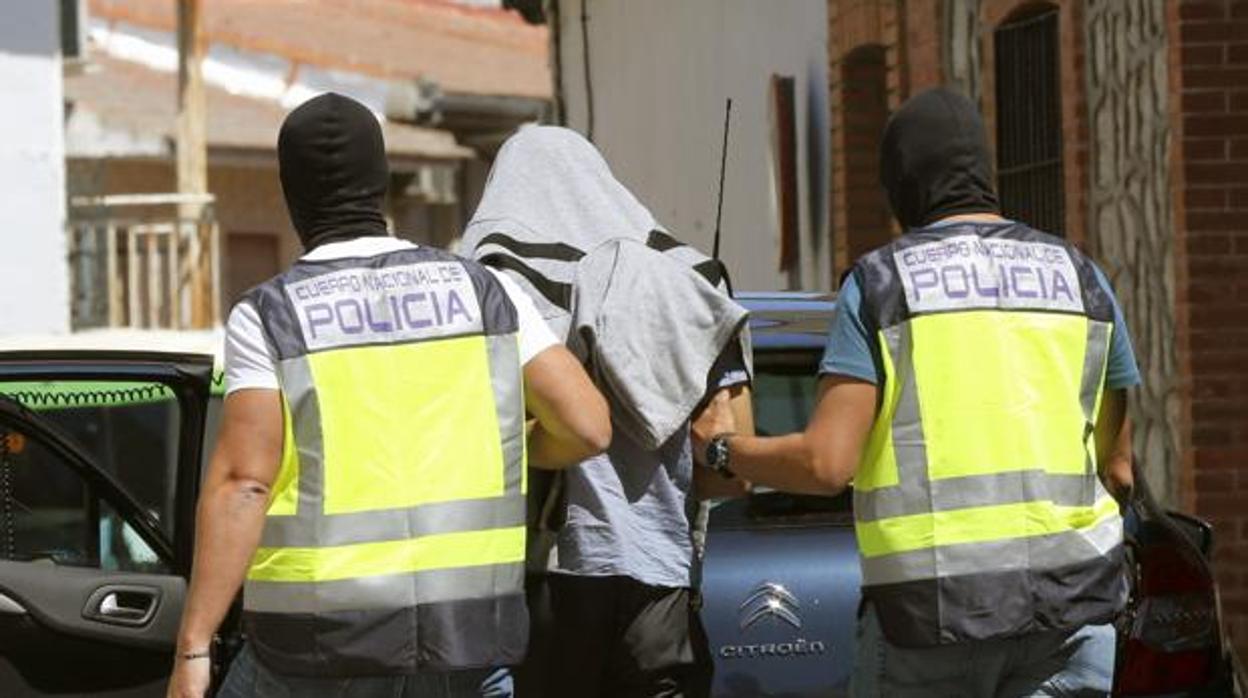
358, 247
946, 222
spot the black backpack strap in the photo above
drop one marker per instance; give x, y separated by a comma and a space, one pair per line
548, 250
557, 292
713, 270
661, 241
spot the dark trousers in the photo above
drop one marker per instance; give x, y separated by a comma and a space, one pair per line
615, 637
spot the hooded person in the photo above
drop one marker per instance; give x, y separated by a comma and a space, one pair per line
373, 423
934, 160
591, 256
332, 165
973, 390
651, 320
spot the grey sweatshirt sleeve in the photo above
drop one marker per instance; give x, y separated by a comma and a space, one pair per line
650, 329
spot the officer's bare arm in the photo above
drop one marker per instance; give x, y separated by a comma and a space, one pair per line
231, 510
1113, 444
573, 422
820, 460
711, 485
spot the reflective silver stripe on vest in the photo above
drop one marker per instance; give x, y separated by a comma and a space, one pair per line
295, 377
504, 350
394, 524
1093, 378
986, 557
391, 591
975, 491
916, 494
910, 494
1091, 384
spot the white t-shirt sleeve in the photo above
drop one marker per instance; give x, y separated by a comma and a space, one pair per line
248, 363
535, 334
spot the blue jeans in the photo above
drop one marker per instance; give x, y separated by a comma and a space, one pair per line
249, 678
1058, 663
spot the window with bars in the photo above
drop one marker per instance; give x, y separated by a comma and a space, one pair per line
1029, 121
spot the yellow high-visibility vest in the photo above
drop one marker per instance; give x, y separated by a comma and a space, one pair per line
394, 541
978, 508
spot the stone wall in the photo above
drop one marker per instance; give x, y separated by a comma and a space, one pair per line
1131, 215
961, 52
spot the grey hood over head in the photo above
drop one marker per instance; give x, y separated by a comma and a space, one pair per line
621, 293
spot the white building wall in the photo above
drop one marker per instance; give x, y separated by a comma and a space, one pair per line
661, 72
34, 273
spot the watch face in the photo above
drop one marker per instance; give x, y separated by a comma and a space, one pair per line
719, 454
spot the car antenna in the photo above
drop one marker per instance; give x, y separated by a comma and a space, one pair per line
723, 162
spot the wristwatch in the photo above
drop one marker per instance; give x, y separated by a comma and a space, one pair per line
718, 454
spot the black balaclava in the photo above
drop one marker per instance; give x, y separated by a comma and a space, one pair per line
934, 159
333, 168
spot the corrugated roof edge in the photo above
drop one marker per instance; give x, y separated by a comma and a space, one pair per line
205, 342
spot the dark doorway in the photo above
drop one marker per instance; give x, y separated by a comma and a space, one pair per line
251, 258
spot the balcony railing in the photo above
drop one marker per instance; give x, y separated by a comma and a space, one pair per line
139, 260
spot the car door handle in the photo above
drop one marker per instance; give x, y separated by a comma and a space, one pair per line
122, 605
110, 607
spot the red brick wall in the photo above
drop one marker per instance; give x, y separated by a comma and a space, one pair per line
923, 21
855, 26
864, 87
1213, 240
908, 32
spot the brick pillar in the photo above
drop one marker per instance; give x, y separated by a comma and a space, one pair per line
1213, 233
868, 223
855, 26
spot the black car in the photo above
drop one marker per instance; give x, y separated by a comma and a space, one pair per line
101, 453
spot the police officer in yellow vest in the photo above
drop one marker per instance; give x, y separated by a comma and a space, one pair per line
973, 390
367, 487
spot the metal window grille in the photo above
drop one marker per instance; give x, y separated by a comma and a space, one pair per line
1029, 121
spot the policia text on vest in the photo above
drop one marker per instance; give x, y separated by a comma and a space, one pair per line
402, 302
966, 270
